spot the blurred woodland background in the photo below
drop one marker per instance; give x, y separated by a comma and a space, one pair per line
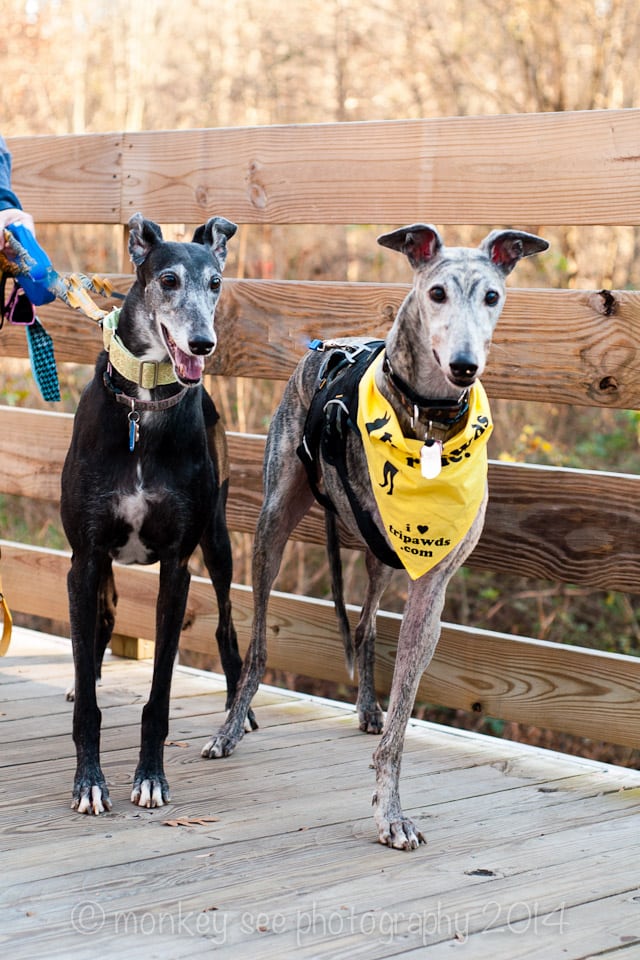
76, 66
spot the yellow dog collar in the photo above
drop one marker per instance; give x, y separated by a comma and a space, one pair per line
146, 373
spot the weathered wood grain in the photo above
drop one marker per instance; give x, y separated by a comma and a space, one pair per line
460, 170
31, 467
551, 168
550, 345
291, 813
575, 526
585, 692
69, 179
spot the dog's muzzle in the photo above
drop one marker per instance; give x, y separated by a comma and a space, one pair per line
202, 347
463, 371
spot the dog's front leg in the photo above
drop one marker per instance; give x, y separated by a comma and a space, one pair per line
150, 786
417, 641
90, 793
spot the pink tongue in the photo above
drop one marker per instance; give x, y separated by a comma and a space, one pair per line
189, 368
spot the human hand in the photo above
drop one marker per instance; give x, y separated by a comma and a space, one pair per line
15, 215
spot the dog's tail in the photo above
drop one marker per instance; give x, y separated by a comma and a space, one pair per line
335, 568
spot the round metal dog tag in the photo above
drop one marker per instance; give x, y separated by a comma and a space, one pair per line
431, 459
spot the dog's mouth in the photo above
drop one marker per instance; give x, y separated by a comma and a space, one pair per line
466, 381
187, 367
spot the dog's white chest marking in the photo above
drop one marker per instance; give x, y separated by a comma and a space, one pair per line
133, 508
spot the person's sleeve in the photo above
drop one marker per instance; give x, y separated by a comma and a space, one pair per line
7, 197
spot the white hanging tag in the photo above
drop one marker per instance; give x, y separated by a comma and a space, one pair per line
431, 459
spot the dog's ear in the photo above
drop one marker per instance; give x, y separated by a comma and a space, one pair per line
506, 247
420, 242
143, 235
214, 234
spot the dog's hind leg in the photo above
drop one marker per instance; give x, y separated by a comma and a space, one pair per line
86, 575
370, 714
287, 498
150, 786
274, 526
107, 602
216, 550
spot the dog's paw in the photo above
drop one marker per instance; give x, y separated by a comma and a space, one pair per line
229, 735
222, 745
91, 798
371, 720
150, 792
400, 834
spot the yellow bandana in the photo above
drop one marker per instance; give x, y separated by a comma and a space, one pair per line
423, 518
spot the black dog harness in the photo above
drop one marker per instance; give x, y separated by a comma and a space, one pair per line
332, 414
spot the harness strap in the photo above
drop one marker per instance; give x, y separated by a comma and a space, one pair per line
331, 415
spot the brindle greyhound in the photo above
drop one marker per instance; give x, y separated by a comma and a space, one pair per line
146, 479
436, 348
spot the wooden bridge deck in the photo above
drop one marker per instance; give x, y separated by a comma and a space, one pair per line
271, 853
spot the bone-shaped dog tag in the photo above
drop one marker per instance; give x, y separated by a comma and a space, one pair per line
431, 458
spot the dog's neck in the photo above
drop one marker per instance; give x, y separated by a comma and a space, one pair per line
138, 335
136, 365
412, 378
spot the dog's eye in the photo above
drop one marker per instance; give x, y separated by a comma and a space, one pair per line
438, 294
214, 283
491, 297
169, 281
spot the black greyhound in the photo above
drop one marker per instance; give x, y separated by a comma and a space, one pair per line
145, 480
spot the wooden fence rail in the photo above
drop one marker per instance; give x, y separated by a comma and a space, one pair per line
574, 347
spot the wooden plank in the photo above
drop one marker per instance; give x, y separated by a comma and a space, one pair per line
575, 526
556, 168
132, 648
301, 813
550, 345
69, 179
589, 693
33, 445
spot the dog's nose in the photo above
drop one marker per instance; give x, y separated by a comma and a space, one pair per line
463, 370
201, 346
